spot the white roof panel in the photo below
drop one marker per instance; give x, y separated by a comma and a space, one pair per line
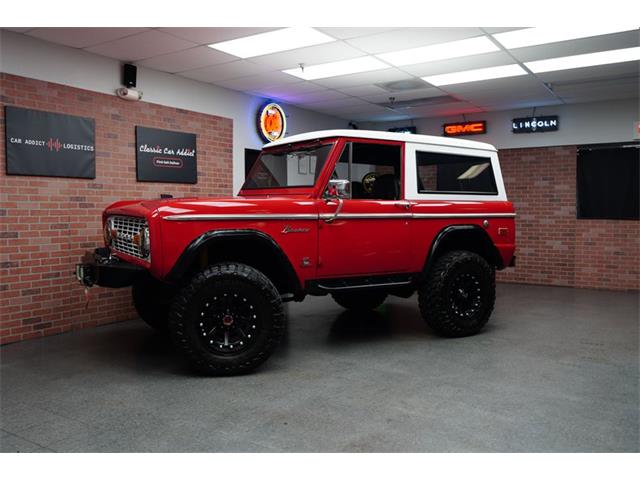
377, 135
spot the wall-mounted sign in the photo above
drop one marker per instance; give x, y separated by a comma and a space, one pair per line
49, 144
165, 156
272, 122
548, 123
464, 128
411, 129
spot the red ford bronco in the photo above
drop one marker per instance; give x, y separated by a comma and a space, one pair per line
359, 215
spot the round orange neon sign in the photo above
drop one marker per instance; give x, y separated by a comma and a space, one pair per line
272, 122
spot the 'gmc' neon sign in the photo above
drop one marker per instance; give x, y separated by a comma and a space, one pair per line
464, 128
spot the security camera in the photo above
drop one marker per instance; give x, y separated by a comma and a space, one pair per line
130, 94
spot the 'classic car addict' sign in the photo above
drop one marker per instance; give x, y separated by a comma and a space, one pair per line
165, 156
548, 123
49, 144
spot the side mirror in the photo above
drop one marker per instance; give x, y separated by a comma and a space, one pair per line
338, 189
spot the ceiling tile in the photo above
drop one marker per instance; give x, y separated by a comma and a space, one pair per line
387, 116
364, 90
343, 33
254, 82
444, 110
142, 45
189, 59
321, 96
536, 93
82, 37
598, 90
207, 35
484, 60
314, 55
292, 93
239, 68
523, 83
577, 47
365, 78
339, 104
500, 29
410, 38
611, 71
426, 92
520, 104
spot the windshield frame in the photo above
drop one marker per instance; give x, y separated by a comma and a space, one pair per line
291, 147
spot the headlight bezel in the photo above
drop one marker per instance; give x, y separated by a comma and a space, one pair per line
145, 242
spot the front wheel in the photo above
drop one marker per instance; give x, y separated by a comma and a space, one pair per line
459, 294
228, 320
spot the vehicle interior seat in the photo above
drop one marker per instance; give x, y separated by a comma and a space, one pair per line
386, 187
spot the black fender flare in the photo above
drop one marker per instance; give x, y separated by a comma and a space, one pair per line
190, 254
476, 230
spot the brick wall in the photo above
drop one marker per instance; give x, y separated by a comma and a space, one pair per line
553, 246
47, 223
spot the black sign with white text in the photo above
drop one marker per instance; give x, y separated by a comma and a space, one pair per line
548, 123
49, 144
165, 156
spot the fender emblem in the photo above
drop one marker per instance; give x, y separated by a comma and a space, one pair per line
290, 229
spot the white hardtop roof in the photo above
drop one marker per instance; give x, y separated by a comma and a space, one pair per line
380, 135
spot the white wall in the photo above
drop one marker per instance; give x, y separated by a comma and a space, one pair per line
582, 123
34, 58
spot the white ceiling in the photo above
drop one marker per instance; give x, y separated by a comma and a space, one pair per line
183, 51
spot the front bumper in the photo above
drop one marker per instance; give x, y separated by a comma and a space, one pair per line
101, 268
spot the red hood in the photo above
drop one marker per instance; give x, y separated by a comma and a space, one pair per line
217, 205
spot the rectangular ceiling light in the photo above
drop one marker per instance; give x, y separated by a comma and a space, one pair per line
476, 75
272, 42
440, 51
585, 60
542, 35
335, 69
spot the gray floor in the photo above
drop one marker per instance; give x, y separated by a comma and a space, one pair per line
556, 370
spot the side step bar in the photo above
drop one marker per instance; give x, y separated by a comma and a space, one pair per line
320, 287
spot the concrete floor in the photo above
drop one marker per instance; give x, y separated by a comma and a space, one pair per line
555, 370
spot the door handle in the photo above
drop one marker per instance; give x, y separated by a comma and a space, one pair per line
338, 209
405, 205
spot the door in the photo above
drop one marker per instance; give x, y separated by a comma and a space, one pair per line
370, 234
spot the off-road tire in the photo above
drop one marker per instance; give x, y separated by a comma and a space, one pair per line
190, 309
439, 296
360, 301
152, 300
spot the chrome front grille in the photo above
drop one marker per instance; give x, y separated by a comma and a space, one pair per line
127, 228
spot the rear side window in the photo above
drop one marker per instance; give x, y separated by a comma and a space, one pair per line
449, 173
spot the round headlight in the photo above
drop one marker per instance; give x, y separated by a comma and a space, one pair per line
106, 231
145, 242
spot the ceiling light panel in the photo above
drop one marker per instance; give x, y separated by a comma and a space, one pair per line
528, 37
475, 75
335, 69
272, 42
585, 60
441, 51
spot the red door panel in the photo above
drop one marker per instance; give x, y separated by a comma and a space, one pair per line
367, 237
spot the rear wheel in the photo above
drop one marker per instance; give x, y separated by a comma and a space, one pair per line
228, 320
152, 300
360, 300
458, 297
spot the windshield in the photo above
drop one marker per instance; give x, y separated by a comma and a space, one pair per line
298, 167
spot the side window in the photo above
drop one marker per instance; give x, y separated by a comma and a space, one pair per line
449, 173
374, 172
